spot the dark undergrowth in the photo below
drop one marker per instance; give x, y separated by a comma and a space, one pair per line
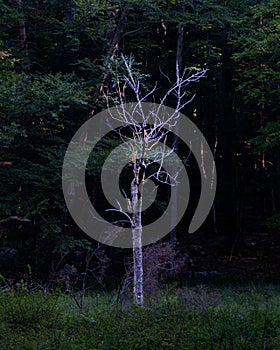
193, 316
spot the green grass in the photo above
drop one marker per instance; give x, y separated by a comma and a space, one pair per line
238, 316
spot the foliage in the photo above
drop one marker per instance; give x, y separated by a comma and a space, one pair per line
34, 123
268, 138
273, 222
258, 55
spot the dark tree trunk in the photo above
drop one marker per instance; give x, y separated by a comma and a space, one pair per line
179, 60
229, 186
25, 65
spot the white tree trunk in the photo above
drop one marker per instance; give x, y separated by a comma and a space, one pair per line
136, 195
138, 295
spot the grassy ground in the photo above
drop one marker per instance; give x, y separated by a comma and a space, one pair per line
227, 316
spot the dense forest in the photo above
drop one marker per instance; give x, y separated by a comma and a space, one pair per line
62, 64
59, 61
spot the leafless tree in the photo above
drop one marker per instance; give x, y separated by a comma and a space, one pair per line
146, 144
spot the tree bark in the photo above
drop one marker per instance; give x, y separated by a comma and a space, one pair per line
138, 295
179, 60
230, 202
25, 65
118, 32
136, 198
180, 42
114, 45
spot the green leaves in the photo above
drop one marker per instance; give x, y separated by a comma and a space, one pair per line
37, 111
273, 222
257, 55
268, 138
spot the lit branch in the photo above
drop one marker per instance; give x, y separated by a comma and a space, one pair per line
13, 218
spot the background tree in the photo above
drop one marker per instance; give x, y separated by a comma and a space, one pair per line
258, 76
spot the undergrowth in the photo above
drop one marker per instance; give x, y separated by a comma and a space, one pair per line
193, 317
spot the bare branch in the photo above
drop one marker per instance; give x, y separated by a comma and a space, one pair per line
13, 218
120, 210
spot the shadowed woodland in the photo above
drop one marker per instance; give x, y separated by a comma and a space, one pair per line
61, 63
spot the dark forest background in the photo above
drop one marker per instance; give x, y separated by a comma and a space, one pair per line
57, 58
